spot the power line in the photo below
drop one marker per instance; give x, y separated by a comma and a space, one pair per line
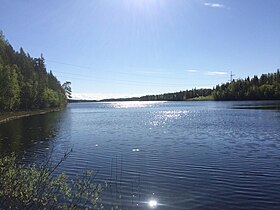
120, 81
118, 72
128, 82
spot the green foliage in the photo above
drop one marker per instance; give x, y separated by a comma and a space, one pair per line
67, 88
178, 96
267, 87
50, 98
202, 98
10, 90
25, 83
35, 187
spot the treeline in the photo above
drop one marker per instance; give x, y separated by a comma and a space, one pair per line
267, 87
25, 83
178, 96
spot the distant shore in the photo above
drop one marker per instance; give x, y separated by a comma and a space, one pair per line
200, 98
9, 116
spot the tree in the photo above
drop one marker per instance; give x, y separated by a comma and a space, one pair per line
25, 83
9, 89
264, 88
67, 89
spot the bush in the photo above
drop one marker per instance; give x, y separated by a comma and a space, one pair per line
35, 187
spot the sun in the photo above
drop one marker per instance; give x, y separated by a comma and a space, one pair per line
142, 5
142, 2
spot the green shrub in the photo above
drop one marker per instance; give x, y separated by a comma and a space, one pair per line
36, 187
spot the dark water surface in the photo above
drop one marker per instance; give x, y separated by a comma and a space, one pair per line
184, 155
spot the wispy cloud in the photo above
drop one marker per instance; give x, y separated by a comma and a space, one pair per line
213, 73
192, 70
214, 5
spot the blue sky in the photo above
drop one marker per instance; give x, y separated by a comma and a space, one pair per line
121, 48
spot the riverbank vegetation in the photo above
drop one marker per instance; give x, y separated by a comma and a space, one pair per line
178, 96
25, 83
198, 94
265, 87
36, 187
202, 98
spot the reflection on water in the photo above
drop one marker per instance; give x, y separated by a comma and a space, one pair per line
153, 204
30, 134
164, 117
166, 155
263, 105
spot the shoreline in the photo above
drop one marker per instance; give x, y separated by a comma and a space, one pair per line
9, 116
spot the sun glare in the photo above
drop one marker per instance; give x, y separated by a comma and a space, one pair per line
149, 7
152, 204
143, 2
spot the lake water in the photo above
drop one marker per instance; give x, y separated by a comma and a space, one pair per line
184, 155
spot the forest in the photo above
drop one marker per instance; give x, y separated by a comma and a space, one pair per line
25, 83
265, 87
178, 96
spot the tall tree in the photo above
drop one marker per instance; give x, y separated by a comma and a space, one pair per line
264, 88
9, 91
67, 88
25, 82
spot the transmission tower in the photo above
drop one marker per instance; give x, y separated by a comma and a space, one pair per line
231, 76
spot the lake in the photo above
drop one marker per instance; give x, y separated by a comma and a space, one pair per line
184, 155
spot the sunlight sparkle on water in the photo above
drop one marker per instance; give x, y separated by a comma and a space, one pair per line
152, 204
134, 104
163, 117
